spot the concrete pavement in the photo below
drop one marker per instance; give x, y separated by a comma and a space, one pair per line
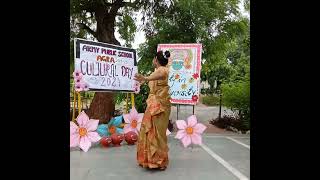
221, 157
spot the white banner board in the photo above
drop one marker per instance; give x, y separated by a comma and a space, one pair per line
105, 67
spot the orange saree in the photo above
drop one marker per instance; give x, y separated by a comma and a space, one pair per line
152, 148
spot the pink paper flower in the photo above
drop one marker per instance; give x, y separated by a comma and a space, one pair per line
190, 132
78, 87
136, 87
77, 75
77, 81
194, 98
84, 86
133, 121
84, 134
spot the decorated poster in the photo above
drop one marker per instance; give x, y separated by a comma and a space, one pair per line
105, 67
184, 72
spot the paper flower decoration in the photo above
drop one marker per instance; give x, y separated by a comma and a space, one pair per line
136, 87
112, 127
195, 75
84, 86
133, 121
78, 87
79, 84
84, 134
190, 132
194, 98
77, 75
77, 81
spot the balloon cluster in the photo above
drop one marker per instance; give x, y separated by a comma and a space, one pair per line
113, 133
116, 139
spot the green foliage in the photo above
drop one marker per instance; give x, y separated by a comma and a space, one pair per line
217, 25
211, 100
127, 27
86, 14
236, 96
141, 99
247, 5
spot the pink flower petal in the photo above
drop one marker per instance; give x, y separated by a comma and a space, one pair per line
85, 143
82, 119
181, 124
93, 136
73, 128
79, 76
192, 121
92, 125
74, 140
126, 118
196, 138
138, 126
137, 90
180, 134
136, 131
140, 117
199, 128
127, 128
136, 87
84, 86
133, 114
186, 140
78, 87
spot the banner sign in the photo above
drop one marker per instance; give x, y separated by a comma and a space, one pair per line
184, 72
105, 67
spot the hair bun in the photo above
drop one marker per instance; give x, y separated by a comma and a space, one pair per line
167, 54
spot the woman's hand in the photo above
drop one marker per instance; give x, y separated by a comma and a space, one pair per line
140, 78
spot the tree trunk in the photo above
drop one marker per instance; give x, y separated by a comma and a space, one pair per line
102, 106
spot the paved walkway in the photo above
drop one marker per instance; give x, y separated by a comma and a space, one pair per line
221, 157
203, 113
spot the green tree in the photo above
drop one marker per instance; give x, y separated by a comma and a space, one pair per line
96, 19
236, 96
224, 34
216, 24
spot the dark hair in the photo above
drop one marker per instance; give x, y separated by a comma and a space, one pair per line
163, 57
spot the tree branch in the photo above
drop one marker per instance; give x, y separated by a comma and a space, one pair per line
115, 7
106, 3
119, 3
88, 29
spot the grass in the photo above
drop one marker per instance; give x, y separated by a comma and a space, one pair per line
210, 100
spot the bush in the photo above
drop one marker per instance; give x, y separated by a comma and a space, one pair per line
211, 100
141, 98
236, 96
207, 91
230, 122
